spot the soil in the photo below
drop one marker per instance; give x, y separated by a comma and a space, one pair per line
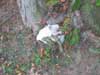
84, 62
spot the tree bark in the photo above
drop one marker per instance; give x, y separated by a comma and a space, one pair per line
31, 12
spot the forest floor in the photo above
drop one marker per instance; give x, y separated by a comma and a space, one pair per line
12, 53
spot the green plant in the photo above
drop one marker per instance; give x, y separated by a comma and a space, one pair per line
64, 27
47, 57
51, 2
47, 52
97, 2
9, 68
76, 5
25, 67
73, 37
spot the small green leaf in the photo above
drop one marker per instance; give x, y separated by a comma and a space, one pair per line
37, 59
97, 2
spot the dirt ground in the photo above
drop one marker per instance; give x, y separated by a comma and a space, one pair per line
11, 26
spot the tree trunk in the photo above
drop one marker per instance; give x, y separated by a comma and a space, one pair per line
31, 12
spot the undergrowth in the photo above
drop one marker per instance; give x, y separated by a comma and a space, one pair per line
46, 55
